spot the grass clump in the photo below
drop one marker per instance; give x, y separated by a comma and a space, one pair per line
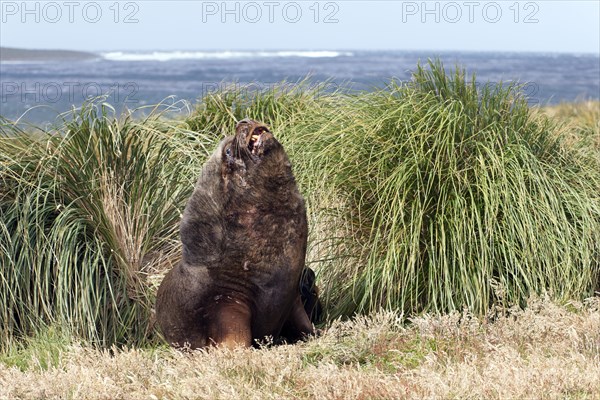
457, 197
89, 211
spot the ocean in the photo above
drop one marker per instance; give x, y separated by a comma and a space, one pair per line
135, 79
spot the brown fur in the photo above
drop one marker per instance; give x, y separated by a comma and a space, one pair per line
244, 234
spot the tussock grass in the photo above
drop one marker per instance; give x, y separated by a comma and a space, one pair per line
425, 196
89, 210
547, 351
456, 197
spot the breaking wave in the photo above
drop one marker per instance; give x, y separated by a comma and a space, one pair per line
217, 55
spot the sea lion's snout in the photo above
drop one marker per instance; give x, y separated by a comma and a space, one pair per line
253, 133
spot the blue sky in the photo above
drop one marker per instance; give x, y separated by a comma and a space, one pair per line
544, 26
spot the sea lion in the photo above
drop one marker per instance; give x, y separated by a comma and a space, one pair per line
244, 233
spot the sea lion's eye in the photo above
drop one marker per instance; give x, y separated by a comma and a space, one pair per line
228, 151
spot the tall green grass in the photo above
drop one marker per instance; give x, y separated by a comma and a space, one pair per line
89, 210
458, 197
430, 195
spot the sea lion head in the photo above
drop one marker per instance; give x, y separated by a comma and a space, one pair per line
253, 138
253, 145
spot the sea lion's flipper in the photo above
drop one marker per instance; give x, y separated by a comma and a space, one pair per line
309, 293
298, 325
231, 327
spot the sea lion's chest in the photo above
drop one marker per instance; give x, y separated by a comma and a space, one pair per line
264, 237
246, 220
264, 225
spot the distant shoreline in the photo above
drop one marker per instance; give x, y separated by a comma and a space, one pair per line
13, 54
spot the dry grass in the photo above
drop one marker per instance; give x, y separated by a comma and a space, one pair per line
546, 351
581, 123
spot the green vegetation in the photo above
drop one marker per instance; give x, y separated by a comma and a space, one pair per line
426, 196
88, 210
457, 198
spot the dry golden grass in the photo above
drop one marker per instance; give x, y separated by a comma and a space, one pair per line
581, 123
582, 112
546, 351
